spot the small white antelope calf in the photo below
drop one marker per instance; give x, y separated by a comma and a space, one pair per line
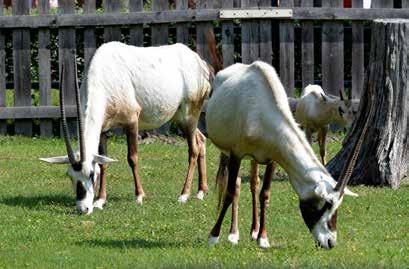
248, 116
138, 89
315, 111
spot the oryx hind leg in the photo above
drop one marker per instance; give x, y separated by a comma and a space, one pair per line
102, 193
254, 186
202, 188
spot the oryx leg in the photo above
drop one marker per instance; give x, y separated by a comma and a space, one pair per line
308, 134
234, 228
264, 201
254, 186
102, 193
194, 149
229, 197
203, 188
132, 139
322, 136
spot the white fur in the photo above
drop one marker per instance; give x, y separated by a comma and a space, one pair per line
249, 115
213, 240
139, 199
183, 198
263, 243
99, 204
254, 235
200, 195
125, 85
233, 238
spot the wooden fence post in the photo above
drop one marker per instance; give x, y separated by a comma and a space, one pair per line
287, 51
332, 67
250, 36
3, 123
182, 29
405, 3
382, 4
307, 48
22, 71
266, 47
136, 31
228, 37
112, 33
357, 54
90, 44
202, 28
44, 69
67, 57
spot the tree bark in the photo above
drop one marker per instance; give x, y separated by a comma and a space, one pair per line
383, 159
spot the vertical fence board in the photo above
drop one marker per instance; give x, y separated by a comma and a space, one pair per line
332, 52
66, 57
266, 47
3, 124
202, 28
182, 29
287, 51
22, 63
227, 37
112, 33
307, 48
250, 36
382, 4
90, 43
136, 31
405, 3
44, 69
159, 31
357, 54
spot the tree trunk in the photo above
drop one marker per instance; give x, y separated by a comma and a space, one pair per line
383, 159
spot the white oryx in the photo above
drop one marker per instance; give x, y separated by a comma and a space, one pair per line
248, 116
138, 89
315, 111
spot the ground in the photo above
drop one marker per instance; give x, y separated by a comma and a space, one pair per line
40, 228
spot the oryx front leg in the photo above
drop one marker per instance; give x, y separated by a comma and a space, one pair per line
254, 186
102, 194
132, 139
201, 142
233, 168
234, 228
264, 200
322, 136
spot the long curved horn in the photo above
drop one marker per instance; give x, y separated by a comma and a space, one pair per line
353, 154
70, 152
79, 116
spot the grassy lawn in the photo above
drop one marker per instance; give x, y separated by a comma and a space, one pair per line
40, 228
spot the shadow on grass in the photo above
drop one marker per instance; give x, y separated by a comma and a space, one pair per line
33, 202
134, 243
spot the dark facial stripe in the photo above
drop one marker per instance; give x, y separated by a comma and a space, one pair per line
80, 191
311, 214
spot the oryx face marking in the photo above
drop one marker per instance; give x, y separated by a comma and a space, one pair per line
320, 217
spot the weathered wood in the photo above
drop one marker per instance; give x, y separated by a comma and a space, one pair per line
250, 36
159, 31
90, 44
384, 156
332, 67
287, 51
3, 124
266, 47
307, 48
357, 54
112, 33
227, 37
36, 112
67, 57
44, 69
22, 72
136, 31
202, 28
405, 3
182, 29
382, 3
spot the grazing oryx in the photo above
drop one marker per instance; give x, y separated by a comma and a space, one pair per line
138, 89
315, 111
248, 116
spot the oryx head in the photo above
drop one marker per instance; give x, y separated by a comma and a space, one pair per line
345, 111
84, 172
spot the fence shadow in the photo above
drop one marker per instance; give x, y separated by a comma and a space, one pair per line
134, 243
33, 202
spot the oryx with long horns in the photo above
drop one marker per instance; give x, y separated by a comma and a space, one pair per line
137, 89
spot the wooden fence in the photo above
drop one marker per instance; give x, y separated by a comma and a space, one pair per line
305, 43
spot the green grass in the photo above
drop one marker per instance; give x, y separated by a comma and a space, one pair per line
40, 229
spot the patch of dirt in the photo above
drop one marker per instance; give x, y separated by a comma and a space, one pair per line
150, 138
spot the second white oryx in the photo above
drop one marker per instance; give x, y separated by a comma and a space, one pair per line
137, 89
248, 116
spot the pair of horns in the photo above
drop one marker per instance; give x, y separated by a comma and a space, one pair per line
71, 156
342, 95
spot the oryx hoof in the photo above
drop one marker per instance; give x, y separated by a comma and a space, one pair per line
200, 195
263, 242
254, 235
139, 199
213, 240
183, 198
99, 203
233, 238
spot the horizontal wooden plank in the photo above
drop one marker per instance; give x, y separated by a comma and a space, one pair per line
35, 112
100, 20
264, 13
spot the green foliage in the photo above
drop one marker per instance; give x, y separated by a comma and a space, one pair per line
40, 229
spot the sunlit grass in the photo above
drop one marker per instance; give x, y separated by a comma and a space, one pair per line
40, 229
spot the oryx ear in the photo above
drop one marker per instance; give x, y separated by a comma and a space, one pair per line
103, 159
56, 160
350, 193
